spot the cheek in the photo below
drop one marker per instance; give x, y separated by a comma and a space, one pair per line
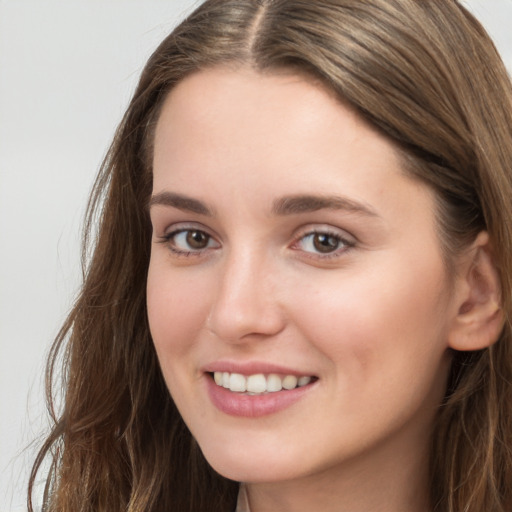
175, 311
365, 320
383, 340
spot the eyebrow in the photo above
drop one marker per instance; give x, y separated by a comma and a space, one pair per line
291, 205
288, 205
181, 202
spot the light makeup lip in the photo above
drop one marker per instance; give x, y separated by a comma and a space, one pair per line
252, 367
254, 406
246, 405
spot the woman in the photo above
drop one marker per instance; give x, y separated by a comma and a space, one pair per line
302, 272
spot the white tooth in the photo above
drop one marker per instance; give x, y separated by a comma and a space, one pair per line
303, 381
225, 380
217, 377
290, 382
256, 383
274, 383
237, 383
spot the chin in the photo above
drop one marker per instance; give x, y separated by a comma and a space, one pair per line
246, 471
244, 463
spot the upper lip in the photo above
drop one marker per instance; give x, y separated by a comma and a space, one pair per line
251, 368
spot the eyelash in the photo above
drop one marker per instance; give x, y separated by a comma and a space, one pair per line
345, 243
169, 240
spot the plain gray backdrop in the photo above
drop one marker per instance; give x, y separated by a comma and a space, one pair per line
67, 70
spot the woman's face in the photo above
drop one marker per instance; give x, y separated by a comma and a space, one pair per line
289, 249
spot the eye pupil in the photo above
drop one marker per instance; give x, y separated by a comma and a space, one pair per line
325, 243
197, 239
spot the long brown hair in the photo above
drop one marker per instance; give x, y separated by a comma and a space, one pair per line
423, 72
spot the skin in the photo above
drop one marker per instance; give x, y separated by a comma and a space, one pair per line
371, 319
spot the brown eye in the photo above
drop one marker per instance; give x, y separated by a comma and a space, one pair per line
325, 243
197, 239
190, 241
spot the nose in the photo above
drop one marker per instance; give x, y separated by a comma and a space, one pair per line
246, 302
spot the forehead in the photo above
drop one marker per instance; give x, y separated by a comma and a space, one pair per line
275, 116
207, 90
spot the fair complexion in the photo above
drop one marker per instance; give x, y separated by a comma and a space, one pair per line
288, 240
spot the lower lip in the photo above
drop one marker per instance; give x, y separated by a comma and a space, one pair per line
253, 406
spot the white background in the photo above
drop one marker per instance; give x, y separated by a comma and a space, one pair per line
67, 70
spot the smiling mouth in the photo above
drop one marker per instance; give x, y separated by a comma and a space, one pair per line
259, 383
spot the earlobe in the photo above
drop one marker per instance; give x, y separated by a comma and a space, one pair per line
479, 318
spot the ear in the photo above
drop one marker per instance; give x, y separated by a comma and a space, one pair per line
480, 318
